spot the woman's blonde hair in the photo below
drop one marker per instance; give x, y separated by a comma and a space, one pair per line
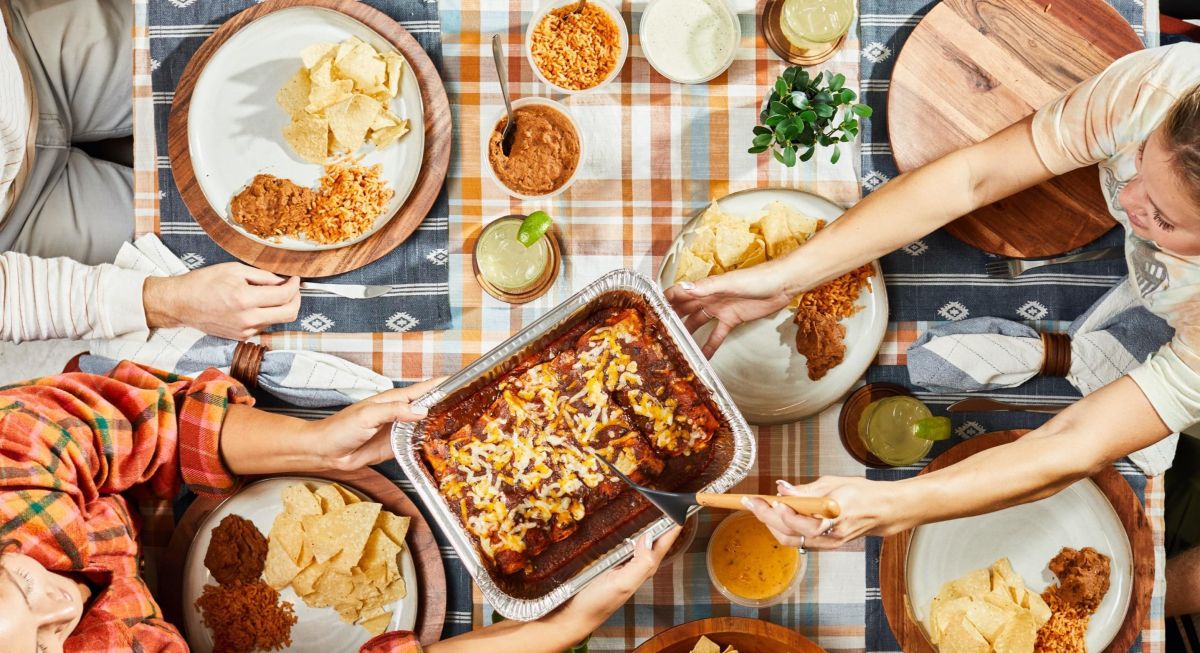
1181, 129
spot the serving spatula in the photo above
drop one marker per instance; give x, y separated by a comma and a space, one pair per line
676, 504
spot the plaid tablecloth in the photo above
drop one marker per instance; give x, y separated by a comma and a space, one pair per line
658, 153
416, 270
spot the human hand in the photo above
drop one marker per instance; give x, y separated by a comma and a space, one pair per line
867, 508
229, 300
730, 299
359, 435
604, 595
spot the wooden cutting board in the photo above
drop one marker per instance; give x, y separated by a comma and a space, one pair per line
974, 67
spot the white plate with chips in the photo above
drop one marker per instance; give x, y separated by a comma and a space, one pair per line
236, 128
758, 362
316, 629
1029, 536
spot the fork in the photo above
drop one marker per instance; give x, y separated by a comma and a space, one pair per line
347, 290
1013, 267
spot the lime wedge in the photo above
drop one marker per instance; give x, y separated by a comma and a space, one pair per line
932, 428
533, 228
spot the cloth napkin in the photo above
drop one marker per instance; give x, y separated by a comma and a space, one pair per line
302, 378
986, 353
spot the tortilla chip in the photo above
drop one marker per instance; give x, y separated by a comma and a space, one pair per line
733, 246
395, 526
349, 120
362, 64
313, 54
377, 624
395, 67
388, 135
323, 96
299, 501
345, 531
706, 645
755, 254
308, 135
293, 96
330, 498
691, 267
279, 568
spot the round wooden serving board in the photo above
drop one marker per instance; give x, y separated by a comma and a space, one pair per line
431, 581
330, 261
893, 559
744, 634
974, 67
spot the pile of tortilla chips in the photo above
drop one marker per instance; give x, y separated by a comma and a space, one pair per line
336, 550
339, 99
987, 610
706, 645
723, 242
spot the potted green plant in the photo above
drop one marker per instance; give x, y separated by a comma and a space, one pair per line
803, 112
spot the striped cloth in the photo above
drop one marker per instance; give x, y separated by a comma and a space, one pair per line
416, 269
658, 152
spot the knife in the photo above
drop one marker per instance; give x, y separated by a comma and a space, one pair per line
981, 405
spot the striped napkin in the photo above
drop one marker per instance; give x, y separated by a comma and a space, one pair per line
1116, 335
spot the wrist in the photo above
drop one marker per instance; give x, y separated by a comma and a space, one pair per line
158, 298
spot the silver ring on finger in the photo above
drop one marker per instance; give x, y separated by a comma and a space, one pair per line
801, 547
707, 314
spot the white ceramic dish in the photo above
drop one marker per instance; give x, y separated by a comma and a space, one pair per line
235, 127
555, 4
758, 362
319, 630
489, 127
1029, 536
649, 50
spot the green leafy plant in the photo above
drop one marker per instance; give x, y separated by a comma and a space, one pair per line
803, 112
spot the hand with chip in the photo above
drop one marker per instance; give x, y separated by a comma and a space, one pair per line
731, 299
230, 300
360, 435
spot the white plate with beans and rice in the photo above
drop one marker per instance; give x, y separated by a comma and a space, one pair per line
758, 361
235, 127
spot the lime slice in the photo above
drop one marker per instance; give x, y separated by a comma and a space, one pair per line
533, 228
932, 428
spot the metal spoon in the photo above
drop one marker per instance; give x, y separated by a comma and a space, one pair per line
510, 125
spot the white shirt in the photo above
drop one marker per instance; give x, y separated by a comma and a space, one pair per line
1104, 120
16, 118
41, 299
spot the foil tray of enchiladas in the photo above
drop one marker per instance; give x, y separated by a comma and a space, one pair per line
507, 462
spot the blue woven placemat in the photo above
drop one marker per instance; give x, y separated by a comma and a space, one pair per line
417, 270
938, 278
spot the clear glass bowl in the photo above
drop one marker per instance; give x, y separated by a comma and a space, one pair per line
648, 51
801, 569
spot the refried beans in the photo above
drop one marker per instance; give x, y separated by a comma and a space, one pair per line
545, 151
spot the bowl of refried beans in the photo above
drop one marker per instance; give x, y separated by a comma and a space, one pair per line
546, 153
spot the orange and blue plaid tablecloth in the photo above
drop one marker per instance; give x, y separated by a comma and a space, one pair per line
657, 152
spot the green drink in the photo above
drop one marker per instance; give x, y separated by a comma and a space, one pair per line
887, 428
505, 261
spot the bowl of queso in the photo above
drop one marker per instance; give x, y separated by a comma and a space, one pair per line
749, 566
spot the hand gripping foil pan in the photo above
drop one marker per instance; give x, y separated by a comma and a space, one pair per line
606, 542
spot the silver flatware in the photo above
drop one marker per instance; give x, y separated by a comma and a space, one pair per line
1014, 267
347, 290
510, 125
982, 405
677, 504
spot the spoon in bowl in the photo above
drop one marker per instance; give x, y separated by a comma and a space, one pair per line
510, 125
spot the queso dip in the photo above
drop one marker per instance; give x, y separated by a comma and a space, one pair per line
748, 562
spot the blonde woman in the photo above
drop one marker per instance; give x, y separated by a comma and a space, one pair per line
1140, 121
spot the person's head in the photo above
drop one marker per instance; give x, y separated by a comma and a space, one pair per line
1163, 199
38, 608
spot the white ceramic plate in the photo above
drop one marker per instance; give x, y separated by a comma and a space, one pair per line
317, 629
758, 363
235, 127
1029, 536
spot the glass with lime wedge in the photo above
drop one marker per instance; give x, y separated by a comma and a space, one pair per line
900, 430
512, 252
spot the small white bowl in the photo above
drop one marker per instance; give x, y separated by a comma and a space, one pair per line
522, 102
555, 4
734, 23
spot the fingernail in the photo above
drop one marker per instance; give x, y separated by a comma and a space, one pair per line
746, 502
419, 411
687, 285
784, 483
775, 505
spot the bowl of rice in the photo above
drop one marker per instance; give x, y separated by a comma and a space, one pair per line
574, 47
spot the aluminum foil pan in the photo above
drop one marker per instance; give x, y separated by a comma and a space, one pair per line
733, 445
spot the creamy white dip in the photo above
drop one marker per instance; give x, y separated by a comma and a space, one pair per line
689, 40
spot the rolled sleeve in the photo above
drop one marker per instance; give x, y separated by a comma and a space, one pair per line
202, 407
124, 313
1172, 386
